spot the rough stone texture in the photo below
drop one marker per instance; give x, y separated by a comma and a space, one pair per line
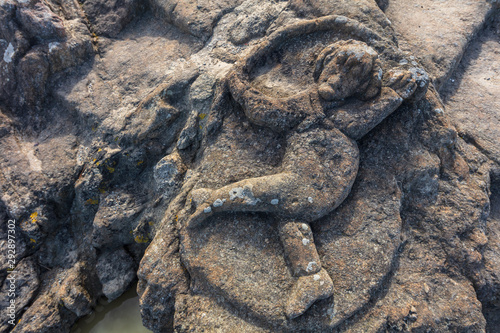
38, 39
471, 94
195, 17
116, 272
24, 281
259, 166
488, 285
108, 18
438, 32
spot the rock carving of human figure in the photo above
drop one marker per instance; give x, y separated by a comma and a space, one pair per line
321, 159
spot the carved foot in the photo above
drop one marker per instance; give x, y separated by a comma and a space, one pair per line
307, 290
408, 82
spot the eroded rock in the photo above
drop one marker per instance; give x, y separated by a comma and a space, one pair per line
116, 272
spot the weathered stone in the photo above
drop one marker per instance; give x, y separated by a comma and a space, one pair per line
168, 174
21, 286
307, 290
116, 271
470, 94
195, 17
108, 18
437, 34
115, 220
29, 33
39, 21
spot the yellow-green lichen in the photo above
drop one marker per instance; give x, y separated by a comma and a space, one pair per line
141, 239
33, 217
92, 202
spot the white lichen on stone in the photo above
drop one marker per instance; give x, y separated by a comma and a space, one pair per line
274, 202
310, 199
207, 210
305, 241
236, 192
244, 193
52, 46
380, 74
305, 227
341, 19
310, 265
438, 110
9, 53
218, 203
316, 277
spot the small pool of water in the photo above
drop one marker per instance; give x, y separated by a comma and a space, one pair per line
120, 316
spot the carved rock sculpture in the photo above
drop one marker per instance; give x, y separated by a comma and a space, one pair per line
319, 96
320, 162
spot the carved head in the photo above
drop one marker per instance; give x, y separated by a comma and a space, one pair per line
348, 68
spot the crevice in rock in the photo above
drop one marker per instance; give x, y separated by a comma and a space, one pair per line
489, 294
377, 292
88, 24
490, 16
470, 53
216, 21
382, 4
469, 139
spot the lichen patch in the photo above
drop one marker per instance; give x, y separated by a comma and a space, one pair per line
9, 53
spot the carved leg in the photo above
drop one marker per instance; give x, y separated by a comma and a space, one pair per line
300, 251
313, 282
262, 194
318, 171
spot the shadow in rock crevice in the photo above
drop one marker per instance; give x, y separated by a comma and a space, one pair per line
376, 293
490, 32
489, 294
